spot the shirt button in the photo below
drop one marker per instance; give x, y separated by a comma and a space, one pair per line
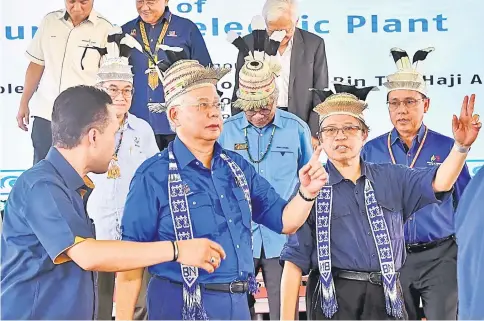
151, 40
197, 163
411, 219
369, 233
261, 134
237, 246
194, 203
151, 99
222, 196
373, 255
262, 171
356, 192
230, 220
241, 273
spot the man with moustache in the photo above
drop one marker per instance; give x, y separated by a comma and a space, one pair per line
355, 231
50, 257
65, 52
430, 270
302, 56
157, 25
277, 143
194, 188
135, 142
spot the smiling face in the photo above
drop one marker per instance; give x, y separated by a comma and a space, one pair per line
342, 137
407, 108
121, 92
151, 11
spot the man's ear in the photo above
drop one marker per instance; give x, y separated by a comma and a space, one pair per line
92, 136
173, 116
426, 105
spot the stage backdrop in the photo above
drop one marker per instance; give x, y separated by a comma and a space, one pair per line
358, 36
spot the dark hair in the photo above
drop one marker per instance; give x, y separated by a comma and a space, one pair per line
77, 110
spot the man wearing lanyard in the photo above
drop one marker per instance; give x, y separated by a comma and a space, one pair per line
355, 232
194, 188
50, 257
135, 142
277, 143
155, 26
430, 271
65, 52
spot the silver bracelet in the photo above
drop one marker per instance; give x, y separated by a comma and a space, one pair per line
461, 149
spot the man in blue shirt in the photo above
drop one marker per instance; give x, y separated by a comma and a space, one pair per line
49, 257
355, 233
470, 257
195, 188
277, 143
154, 26
430, 268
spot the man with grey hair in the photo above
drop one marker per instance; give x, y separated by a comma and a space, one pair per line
276, 143
302, 56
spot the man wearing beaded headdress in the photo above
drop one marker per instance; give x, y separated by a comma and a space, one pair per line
430, 270
156, 25
195, 188
135, 142
277, 143
352, 243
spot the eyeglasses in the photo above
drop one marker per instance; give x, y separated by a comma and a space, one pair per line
149, 3
408, 103
331, 131
262, 111
114, 92
205, 107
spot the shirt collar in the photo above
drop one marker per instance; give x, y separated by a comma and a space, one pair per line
335, 177
277, 121
184, 156
130, 123
92, 16
420, 134
66, 171
164, 17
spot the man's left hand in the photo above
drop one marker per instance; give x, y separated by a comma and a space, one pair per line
467, 126
313, 176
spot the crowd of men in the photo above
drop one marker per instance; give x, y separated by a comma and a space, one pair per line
140, 190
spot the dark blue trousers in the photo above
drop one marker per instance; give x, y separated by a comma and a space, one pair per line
165, 302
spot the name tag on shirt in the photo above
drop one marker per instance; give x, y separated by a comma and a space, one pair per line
240, 146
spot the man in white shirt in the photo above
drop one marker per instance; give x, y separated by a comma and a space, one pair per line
65, 52
135, 142
303, 59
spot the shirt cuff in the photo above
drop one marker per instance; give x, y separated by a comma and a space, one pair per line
295, 257
62, 257
34, 59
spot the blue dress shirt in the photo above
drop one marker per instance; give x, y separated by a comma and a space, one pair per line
181, 33
435, 221
218, 209
45, 215
469, 225
290, 150
400, 191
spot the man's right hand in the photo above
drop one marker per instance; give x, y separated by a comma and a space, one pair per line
23, 117
201, 253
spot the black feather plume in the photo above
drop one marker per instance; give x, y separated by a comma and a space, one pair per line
164, 65
361, 93
174, 54
421, 55
102, 51
259, 33
274, 42
238, 42
397, 54
124, 51
322, 94
116, 38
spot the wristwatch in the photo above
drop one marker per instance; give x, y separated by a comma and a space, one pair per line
461, 149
